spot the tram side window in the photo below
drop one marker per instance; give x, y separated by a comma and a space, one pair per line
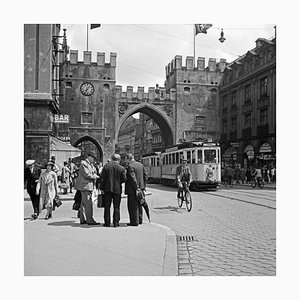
210, 156
164, 160
180, 156
188, 156
177, 158
173, 158
199, 156
193, 156
157, 161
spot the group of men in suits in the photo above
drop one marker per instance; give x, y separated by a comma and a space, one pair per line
111, 179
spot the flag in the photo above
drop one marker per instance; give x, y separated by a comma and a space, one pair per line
95, 26
202, 28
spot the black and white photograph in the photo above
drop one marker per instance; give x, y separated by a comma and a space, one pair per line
148, 154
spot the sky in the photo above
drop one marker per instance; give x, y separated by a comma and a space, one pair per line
144, 50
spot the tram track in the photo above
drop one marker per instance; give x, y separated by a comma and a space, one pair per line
250, 195
240, 200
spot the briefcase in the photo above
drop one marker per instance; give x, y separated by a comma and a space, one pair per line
100, 200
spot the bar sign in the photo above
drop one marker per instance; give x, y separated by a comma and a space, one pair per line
61, 118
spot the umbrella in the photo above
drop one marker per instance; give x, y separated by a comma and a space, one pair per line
141, 197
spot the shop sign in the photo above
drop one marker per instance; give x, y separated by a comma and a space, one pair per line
61, 118
250, 154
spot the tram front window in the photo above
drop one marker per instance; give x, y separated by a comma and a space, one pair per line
210, 156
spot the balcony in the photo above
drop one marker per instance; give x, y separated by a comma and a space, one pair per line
262, 130
247, 107
234, 109
263, 101
246, 133
233, 135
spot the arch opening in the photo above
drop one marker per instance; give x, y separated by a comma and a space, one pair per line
86, 144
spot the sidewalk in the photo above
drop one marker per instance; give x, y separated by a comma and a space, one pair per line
62, 246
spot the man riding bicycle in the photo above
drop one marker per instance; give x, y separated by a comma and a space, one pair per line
257, 174
183, 176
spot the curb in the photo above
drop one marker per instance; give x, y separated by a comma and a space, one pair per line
170, 265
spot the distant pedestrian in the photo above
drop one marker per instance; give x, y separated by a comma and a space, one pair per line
243, 174
72, 168
273, 174
136, 180
47, 187
112, 177
86, 183
65, 177
229, 174
248, 175
31, 176
55, 167
237, 173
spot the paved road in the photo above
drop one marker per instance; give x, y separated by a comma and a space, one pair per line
228, 232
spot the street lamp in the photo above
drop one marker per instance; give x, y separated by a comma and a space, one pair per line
222, 39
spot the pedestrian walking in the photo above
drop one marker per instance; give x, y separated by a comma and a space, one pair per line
72, 168
47, 188
136, 180
86, 183
237, 173
229, 174
112, 177
243, 174
31, 176
273, 174
248, 175
55, 167
65, 177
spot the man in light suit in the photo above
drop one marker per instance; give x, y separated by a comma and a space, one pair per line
85, 183
136, 179
112, 177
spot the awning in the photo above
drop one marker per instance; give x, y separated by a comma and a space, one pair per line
58, 145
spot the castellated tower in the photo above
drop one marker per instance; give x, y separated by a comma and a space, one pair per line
87, 95
197, 102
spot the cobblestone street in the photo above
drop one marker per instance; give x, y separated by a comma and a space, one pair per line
220, 236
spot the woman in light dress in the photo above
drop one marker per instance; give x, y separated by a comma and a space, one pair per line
47, 187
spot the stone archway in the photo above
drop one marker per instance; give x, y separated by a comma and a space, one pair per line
159, 117
87, 143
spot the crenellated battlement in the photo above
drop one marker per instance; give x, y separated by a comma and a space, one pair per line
158, 93
87, 58
212, 66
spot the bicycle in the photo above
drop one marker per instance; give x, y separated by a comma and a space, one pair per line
185, 196
258, 181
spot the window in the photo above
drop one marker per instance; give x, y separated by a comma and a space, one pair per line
173, 158
188, 156
68, 84
224, 101
210, 156
200, 156
186, 89
177, 161
264, 86
200, 120
86, 118
224, 126
247, 93
193, 156
247, 122
233, 98
233, 124
106, 86
263, 117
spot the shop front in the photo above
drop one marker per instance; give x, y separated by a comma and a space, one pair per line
230, 157
266, 156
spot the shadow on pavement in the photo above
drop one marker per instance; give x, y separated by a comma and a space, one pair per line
77, 224
170, 208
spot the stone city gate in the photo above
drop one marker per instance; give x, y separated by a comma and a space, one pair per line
185, 109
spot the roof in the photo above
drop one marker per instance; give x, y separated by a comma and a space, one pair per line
58, 145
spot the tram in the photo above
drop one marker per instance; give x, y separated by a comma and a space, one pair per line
204, 160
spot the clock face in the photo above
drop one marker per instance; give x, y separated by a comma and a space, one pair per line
87, 89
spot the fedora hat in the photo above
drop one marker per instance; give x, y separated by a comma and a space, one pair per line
92, 154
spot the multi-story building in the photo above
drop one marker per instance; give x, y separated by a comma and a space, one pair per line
41, 85
248, 107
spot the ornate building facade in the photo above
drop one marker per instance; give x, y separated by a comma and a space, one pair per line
248, 107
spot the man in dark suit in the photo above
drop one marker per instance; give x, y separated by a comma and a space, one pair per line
112, 177
136, 179
85, 183
31, 176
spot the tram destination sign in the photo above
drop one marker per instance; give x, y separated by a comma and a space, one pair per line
61, 118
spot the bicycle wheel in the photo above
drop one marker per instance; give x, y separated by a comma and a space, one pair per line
188, 200
261, 184
253, 183
180, 199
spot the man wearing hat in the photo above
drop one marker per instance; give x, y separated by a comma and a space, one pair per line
85, 183
31, 176
183, 174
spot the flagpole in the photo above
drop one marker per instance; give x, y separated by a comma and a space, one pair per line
87, 37
194, 32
